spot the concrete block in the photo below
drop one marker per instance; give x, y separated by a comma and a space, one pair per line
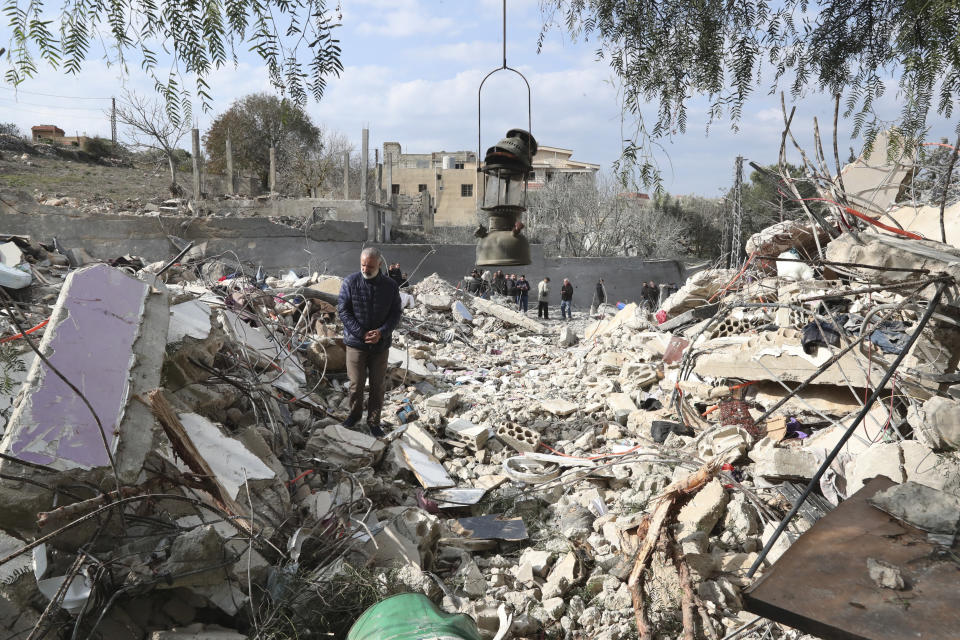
704, 510
778, 463
559, 407
622, 406
567, 336
465, 431
436, 302
925, 508
939, 423
444, 401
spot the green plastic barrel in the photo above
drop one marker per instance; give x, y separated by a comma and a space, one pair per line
411, 616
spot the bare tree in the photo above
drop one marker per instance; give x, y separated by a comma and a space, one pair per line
149, 127
317, 170
583, 216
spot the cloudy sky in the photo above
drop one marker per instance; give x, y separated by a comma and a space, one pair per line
411, 73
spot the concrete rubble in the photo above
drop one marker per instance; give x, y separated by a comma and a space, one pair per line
177, 446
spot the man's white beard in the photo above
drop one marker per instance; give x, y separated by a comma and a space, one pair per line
368, 277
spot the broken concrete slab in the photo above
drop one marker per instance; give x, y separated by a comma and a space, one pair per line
422, 439
427, 469
508, 316
704, 510
106, 335
460, 312
938, 423
349, 449
772, 355
559, 407
697, 290
920, 506
608, 326
233, 464
103, 317
875, 181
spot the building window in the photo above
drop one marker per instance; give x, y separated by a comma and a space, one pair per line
394, 189
458, 165
421, 188
466, 191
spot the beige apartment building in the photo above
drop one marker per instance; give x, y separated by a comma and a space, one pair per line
452, 180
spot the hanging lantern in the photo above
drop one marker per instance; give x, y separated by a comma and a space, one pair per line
504, 176
505, 171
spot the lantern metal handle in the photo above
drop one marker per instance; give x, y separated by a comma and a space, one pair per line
504, 67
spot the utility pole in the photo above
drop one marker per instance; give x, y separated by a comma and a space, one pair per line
364, 164
229, 184
273, 168
195, 134
113, 121
735, 247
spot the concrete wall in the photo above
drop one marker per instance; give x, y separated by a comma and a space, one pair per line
258, 241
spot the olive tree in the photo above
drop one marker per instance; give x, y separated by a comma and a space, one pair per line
178, 42
668, 52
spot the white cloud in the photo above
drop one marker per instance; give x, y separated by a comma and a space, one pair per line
402, 19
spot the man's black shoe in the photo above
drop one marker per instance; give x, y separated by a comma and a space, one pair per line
375, 430
349, 422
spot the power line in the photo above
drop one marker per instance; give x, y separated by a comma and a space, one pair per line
51, 95
33, 110
57, 107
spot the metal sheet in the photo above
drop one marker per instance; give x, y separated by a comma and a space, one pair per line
492, 527
821, 585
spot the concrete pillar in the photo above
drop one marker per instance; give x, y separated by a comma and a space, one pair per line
346, 175
376, 157
364, 160
388, 162
273, 168
229, 169
195, 133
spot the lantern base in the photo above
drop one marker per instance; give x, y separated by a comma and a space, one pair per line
503, 249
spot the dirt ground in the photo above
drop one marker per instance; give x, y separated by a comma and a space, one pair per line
84, 180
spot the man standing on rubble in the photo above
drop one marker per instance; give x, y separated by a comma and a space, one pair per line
543, 299
523, 293
566, 300
369, 308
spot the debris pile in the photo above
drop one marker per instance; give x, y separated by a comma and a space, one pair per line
174, 464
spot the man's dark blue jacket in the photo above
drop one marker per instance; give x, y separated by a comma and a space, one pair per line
365, 305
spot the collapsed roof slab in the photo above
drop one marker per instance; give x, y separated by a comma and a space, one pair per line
106, 335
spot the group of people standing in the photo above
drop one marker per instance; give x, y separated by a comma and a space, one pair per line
517, 288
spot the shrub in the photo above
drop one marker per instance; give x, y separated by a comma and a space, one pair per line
10, 129
99, 147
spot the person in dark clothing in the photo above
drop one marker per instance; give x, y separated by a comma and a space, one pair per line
499, 283
523, 293
601, 293
405, 281
395, 274
649, 294
369, 307
511, 287
566, 300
